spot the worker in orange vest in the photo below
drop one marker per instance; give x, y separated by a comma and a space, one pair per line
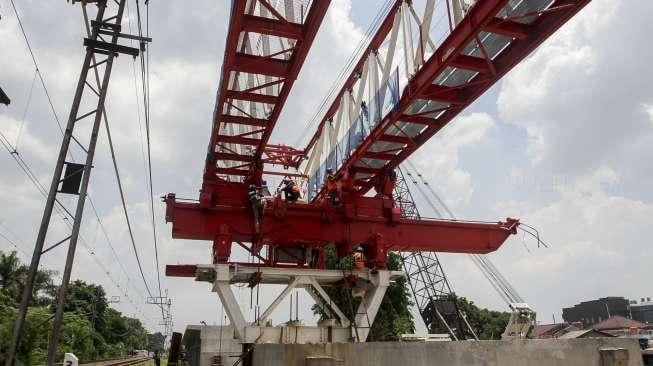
359, 258
291, 190
332, 186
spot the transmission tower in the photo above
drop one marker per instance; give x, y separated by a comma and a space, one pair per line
72, 178
434, 297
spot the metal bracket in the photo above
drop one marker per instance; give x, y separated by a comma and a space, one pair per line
55, 245
108, 47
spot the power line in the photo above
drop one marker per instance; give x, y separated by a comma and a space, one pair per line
61, 211
38, 71
145, 78
29, 100
13, 244
121, 192
33, 178
488, 269
348, 65
28, 171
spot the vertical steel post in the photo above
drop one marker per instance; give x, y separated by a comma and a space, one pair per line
58, 317
113, 24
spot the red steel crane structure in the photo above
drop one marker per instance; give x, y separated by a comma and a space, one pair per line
427, 61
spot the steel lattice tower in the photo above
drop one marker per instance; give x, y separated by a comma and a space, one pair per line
434, 297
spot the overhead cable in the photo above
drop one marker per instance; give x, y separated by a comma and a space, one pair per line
145, 75
488, 269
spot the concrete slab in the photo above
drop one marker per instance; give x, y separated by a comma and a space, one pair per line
576, 352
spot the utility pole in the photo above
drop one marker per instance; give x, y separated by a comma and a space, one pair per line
72, 178
165, 303
425, 275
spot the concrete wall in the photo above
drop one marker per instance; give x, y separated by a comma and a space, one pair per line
229, 349
576, 352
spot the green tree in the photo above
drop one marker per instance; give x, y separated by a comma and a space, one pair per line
90, 329
394, 317
156, 342
487, 324
88, 300
13, 274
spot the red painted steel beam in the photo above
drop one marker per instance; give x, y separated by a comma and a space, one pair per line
282, 155
482, 14
261, 65
507, 28
234, 157
419, 120
258, 122
239, 140
232, 171
307, 223
397, 139
272, 27
444, 94
379, 155
181, 270
311, 26
509, 58
251, 97
242, 22
470, 63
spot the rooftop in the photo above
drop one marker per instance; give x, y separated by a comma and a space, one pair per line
618, 322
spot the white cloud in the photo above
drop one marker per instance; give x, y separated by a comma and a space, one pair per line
578, 98
438, 159
648, 109
597, 240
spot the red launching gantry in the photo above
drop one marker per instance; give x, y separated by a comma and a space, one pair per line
408, 84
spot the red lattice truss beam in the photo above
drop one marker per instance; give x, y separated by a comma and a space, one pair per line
482, 17
284, 70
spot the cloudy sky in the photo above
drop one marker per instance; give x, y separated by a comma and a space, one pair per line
564, 142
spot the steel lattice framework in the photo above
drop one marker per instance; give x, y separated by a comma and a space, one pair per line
72, 178
416, 74
425, 275
267, 44
374, 123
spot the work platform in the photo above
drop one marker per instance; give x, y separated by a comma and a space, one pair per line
368, 285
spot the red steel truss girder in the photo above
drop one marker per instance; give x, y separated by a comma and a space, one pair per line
375, 43
296, 223
481, 17
282, 155
236, 60
272, 27
181, 270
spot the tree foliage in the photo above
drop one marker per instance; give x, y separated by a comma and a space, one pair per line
394, 317
91, 329
487, 324
156, 342
13, 274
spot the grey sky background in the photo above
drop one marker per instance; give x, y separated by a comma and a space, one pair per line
564, 142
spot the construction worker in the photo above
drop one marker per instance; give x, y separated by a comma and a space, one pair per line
157, 358
290, 190
255, 199
332, 186
359, 258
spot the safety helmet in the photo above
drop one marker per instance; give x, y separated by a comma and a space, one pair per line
360, 249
